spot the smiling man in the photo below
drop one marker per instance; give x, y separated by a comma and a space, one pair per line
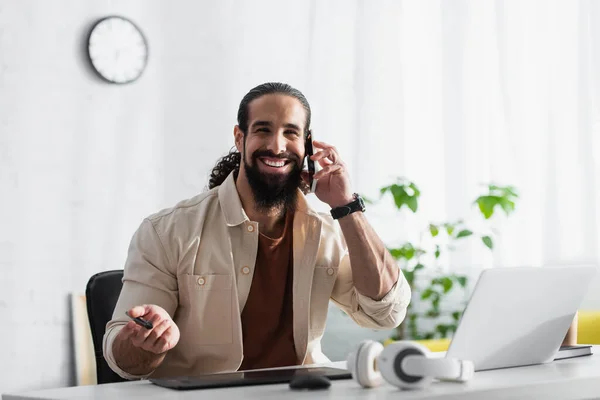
240, 277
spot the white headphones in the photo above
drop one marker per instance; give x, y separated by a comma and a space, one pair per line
404, 364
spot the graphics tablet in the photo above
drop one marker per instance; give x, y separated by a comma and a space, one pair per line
248, 378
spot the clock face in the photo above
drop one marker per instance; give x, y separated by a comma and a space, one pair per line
117, 50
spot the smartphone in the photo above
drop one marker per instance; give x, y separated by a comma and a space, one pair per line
140, 321
310, 164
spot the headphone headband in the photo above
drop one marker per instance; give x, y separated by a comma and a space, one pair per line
439, 368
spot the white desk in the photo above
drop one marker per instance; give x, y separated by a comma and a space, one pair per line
575, 378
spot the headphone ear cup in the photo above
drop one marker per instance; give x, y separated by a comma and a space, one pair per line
390, 363
362, 364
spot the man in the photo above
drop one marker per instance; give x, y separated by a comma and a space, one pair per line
240, 277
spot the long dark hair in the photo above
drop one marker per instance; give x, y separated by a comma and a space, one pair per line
231, 162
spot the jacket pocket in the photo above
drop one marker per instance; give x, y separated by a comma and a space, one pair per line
206, 315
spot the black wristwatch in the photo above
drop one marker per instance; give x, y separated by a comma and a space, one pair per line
357, 205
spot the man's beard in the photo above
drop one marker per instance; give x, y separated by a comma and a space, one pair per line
273, 191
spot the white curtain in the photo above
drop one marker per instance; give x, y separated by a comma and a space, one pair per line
456, 94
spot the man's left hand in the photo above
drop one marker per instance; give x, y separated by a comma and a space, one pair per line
333, 186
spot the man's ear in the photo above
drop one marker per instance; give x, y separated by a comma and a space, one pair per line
238, 136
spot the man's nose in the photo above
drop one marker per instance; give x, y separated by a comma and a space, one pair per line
277, 144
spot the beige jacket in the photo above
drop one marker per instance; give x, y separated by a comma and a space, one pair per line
196, 260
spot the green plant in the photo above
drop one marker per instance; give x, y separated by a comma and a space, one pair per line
420, 259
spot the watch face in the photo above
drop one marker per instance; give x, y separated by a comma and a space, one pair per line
117, 50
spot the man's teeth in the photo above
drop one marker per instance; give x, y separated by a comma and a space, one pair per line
274, 163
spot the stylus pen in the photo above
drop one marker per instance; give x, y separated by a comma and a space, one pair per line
140, 321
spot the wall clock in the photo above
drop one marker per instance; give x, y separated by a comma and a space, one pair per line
117, 50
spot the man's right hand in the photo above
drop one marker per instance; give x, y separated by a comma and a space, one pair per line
163, 336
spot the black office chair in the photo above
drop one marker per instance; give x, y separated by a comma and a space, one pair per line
102, 293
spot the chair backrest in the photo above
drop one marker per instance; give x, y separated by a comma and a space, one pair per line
102, 293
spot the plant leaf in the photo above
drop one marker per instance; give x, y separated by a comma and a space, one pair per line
406, 252
444, 281
410, 277
503, 191
442, 329
415, 189
418, 267
511, 191
399, 194
462, 280
456, 315
507, 205
447, 284
434, 230
404, 194
437, 251
427, 293
450, 228
411, 202
464, 233
486, 205
488, 242
397, 254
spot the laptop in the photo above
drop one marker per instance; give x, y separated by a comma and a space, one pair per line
519, 316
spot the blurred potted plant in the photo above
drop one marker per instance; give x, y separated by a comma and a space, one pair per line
420, 262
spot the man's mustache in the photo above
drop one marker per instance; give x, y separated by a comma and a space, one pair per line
267, 153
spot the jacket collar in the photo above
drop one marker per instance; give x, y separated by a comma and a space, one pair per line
231, 204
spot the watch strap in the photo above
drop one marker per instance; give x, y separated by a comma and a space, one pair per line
356, 205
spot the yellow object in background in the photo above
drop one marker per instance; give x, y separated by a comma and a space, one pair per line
435, 344
588, 327
431, 344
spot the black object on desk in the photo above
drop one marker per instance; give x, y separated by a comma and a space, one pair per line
310, 382
256, 377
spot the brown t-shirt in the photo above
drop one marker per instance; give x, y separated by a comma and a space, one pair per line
267, 318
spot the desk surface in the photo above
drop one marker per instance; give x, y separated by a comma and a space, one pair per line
575, 378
